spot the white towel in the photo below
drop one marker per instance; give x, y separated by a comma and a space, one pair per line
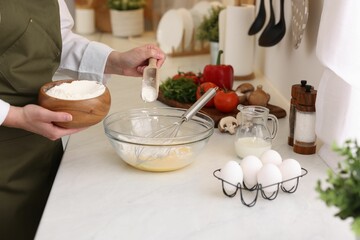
337, 110
338, 40
338, 48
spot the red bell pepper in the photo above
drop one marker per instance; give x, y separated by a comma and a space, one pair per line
220, 74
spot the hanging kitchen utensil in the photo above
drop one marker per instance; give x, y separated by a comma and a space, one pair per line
300, 14
273, 33
259, 21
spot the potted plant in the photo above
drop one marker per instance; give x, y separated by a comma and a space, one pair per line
208, 30
127, 17
342, 188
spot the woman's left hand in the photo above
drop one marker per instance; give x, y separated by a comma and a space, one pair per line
133, 62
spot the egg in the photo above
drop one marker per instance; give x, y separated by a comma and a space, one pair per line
290, 168
271, 156
269, 174
232, 173
250, 166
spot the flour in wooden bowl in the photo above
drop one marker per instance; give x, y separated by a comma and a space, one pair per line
76, 90
87, 101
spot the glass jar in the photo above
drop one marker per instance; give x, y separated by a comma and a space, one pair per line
253, 137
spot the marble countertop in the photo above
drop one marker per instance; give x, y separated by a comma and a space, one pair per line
98, 196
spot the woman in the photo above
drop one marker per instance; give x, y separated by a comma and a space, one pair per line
33, 46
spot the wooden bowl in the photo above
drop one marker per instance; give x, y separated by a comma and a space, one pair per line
85, 113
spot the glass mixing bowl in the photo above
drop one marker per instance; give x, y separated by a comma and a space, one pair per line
131, 133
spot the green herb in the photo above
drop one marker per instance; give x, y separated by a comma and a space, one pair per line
124, 5
209, 27
182, 90
343, 187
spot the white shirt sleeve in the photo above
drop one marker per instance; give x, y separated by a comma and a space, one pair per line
4, 110
80, 58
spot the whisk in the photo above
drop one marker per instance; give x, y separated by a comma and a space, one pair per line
171, 131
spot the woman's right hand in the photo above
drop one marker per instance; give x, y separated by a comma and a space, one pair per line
39, 120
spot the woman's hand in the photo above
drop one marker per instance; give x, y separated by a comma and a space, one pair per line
133, 62
39, 120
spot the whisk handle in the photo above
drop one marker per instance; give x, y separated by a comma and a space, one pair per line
209, 94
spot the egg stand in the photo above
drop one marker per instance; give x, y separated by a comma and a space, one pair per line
259, 188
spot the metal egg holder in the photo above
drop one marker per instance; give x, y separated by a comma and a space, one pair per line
258, 188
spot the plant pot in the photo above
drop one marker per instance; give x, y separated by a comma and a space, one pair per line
84, 20
127, 23
214, 51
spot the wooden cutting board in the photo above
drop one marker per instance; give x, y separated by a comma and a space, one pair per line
215, 114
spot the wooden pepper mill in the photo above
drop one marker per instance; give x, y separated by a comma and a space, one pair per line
304, 133
292, 113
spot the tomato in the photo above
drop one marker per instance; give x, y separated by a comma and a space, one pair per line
201, 79
202, 88
177, 76
187, 75
226, 101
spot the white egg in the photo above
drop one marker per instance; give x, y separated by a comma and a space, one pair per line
250, 166
290, 168
271, 156
232, 173
269, 174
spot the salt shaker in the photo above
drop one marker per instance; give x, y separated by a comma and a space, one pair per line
304, 133
294, 91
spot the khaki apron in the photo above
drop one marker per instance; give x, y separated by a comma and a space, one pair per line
30, 49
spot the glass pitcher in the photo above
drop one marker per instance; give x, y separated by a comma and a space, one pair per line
253, 136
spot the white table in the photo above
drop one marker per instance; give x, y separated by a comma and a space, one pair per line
98, 196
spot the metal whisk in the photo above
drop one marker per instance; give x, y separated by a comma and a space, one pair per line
171, 131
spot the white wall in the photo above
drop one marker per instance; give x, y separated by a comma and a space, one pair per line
283, 65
